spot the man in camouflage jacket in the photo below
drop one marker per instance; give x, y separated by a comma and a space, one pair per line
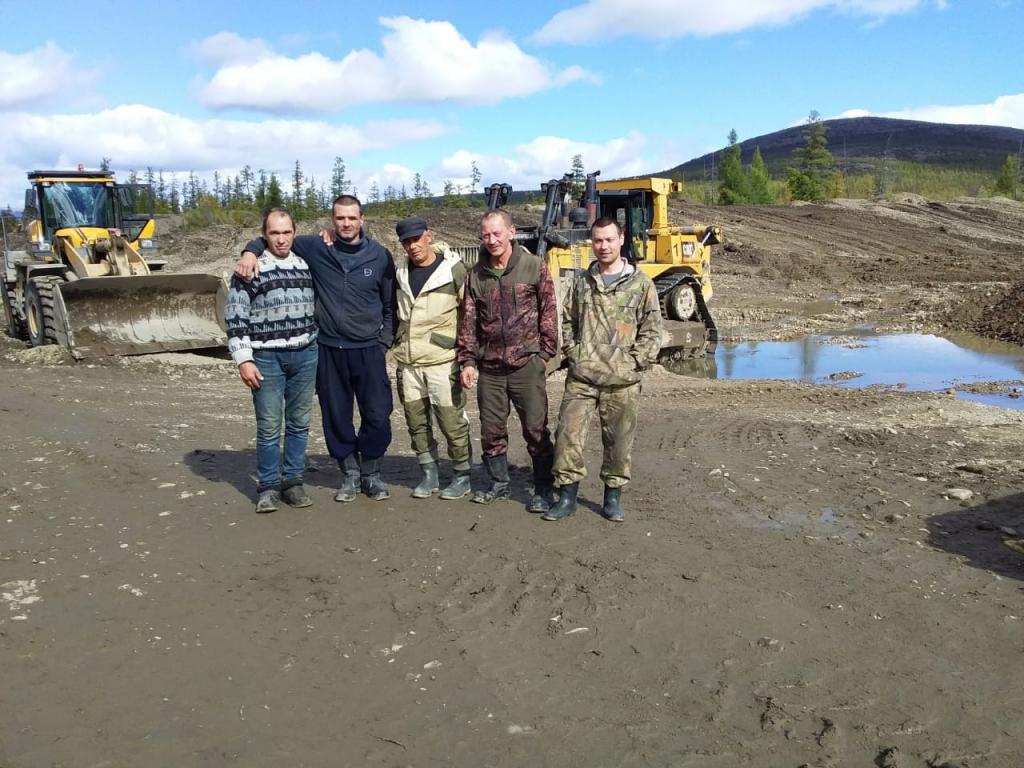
611, 332
508, 330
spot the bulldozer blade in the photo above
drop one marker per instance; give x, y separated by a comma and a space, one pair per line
140, 314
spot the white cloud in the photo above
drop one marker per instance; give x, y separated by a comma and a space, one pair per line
548, 157
32, 77
137, 136
230, 47
601, 20
1005, 111
422, 62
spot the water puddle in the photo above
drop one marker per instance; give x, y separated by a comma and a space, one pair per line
978, 369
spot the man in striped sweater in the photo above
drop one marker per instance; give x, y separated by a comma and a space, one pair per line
272, 338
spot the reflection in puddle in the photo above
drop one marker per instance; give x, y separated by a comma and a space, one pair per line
905, 361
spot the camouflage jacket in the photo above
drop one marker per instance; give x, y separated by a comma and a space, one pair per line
505, 320
611, 334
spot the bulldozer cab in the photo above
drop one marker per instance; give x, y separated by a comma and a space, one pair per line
633, 210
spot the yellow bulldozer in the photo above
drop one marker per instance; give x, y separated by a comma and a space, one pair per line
678, 260
89, 278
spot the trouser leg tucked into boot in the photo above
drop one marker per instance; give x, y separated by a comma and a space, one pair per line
372, 485
429, 485
460, 484
613, 505
566, 504
501, 486
543, 484
349, 478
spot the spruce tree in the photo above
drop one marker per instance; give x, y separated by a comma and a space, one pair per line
1006, 181
759, 189
732, 188
810, 179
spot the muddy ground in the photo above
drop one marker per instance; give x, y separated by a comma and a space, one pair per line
808, 575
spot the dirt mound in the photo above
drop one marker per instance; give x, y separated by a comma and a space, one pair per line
1004, 319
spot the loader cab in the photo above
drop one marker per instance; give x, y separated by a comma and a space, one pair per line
634, 210
61, 200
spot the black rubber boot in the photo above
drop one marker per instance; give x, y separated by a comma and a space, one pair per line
429, 485
371, 483
613, 505
543, 485
459, 486
566, 504
501, 486
349, 479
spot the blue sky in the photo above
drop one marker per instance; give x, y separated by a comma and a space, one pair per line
398, 88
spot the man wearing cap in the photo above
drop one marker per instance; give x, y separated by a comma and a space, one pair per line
430, 281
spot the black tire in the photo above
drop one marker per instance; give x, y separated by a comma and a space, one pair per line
39, 310
15, 325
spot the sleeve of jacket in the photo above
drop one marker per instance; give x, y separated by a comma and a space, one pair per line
465, 337
256, 247
569, 316
547, 313
648, 332
388, 298
236, 320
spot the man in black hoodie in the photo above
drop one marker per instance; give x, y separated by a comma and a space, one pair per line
354, 281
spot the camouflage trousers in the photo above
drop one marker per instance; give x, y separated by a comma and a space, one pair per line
431, 393
617, 409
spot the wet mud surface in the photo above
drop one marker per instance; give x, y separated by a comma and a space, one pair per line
808, 574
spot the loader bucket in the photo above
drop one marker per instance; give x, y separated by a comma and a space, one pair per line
141, 314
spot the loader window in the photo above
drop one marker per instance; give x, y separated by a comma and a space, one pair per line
78, 205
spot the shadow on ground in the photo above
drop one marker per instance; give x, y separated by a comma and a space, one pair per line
238, 469
986, 535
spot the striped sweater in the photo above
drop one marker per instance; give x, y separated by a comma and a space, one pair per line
274, 310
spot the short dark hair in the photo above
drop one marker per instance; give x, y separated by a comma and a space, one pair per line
347, 200
271, 211
606, 221
505, 216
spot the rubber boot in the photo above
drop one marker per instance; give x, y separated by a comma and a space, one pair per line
566, 504
429, 485
372, 485
543, 485
349, 478
612, 509
459, 486
501, 486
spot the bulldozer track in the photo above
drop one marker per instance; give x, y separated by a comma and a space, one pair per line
664, 285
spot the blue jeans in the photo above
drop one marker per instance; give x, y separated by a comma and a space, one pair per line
289, 376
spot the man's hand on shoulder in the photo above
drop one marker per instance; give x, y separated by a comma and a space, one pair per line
248, 266
327, 235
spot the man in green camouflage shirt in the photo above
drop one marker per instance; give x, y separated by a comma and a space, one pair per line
611, 332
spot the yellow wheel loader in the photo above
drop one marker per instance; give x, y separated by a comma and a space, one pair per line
89, 279
678, 260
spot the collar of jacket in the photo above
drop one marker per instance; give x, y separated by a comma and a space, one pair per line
594, 271
444, 269
356, 254
485, 259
